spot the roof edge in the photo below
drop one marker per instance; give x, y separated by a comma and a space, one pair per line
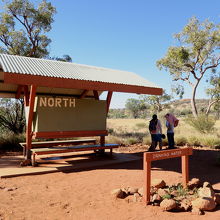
53, 82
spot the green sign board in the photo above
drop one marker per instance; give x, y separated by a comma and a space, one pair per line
68, 114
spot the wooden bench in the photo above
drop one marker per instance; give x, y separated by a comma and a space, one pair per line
42, 144
55, 150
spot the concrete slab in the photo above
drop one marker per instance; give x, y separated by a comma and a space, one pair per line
10, 165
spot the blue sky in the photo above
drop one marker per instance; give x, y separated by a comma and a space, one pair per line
125, 34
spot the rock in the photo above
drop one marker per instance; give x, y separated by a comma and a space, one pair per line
10, 189
158, 183
125, 190
162, 192
206, 192
132, 190
118, 193
156, 198
196, 211
194, 182
136, 197
217, 198
207, 184
185, 205
205, 204
168, 204
141, 191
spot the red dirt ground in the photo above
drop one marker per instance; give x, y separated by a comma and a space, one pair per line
85, 194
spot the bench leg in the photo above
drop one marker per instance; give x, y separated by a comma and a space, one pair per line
111, 152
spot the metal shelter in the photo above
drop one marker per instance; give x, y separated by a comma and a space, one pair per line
27, 77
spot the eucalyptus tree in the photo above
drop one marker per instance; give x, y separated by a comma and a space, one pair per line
23, 28
214, 92
196, 55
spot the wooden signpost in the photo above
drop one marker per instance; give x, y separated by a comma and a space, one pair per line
161, 155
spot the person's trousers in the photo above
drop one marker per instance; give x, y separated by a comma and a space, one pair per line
170, 137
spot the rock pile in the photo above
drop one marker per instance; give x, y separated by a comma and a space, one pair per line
196, 197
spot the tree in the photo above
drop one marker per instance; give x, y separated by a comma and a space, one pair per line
157, 102
22, 32
196, 54
12, 115
65, 58
135, 106
213, 92
23, 28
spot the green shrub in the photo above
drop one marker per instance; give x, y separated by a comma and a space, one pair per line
114, 140
10, 142
146, 140
213, 142
131, 140
141, 125
180, 140
202, 123
194, 141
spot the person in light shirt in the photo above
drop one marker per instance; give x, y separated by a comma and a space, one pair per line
171, 122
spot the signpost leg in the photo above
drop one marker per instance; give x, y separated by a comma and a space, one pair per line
185, 169
147, 179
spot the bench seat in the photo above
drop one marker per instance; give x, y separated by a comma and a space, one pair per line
42, 144
55, 150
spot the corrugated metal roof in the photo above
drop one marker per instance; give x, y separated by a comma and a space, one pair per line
59, 69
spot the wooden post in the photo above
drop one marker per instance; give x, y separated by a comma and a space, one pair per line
29, 103
102, 143
185, 169
108, 100
160, 155
147, 179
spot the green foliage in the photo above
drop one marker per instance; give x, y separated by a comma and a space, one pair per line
131, 140
194, 56
135, 107
117, 113
147, 140
23, 28
202, 123
12, 115
10, 141
181, 140
157, 103
166, 196
141, 125
194, 141
213, 142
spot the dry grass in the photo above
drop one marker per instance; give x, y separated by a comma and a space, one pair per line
184, 133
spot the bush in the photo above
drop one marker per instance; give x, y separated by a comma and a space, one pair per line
114, 140
194, 141
211, 142
147, 140
10, 142
141, 125
131, 140
202, 123
181, 141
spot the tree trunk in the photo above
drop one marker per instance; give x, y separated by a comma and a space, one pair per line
209, 106
193, 100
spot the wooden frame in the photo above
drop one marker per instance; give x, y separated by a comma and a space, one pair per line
53, 82
161, 155
65, 134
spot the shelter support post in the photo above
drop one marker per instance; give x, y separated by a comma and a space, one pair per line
109, 97
29, 104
